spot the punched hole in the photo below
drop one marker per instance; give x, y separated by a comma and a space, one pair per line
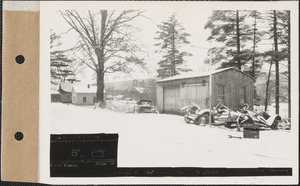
20, 59
19, 136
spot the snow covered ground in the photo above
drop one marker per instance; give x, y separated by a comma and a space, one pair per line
161, 140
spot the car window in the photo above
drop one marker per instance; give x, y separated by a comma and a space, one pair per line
145, 103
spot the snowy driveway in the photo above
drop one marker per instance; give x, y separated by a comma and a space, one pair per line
161, 140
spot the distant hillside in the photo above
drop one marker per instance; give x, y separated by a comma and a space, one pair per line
129, 84
135, 89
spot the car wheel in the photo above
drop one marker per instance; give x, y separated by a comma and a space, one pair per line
241, 121
274, 125
203, 119
186, 119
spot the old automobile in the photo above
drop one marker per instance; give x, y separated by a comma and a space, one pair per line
145, 106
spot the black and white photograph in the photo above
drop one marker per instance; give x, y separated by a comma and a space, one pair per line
166, 89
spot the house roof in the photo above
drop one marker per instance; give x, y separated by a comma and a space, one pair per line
54, 91
197, 74
54, 86
140, 89
67, 87
85, 89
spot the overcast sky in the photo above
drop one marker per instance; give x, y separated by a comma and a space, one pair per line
192, 16
192, 21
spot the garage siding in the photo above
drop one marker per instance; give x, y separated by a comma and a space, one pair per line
232, 86
238, 88
192, 94
172, 99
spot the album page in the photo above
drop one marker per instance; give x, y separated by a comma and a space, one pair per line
161, 92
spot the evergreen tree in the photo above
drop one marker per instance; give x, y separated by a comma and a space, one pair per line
280, 34
239, 33
229, 29
276, 60
256, 56
61, 66
171, 38
284, 36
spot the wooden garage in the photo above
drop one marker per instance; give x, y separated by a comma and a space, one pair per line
171, 98
231, 85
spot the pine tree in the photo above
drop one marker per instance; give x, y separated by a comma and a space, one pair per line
276, 60
171, 38
228, 28
256, 57
61, 66
279, 34
284, 36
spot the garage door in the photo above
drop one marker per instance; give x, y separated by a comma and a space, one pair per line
195, 94
172, 99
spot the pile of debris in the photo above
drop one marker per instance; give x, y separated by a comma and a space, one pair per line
284, 124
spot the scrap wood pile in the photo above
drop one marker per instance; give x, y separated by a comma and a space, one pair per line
121, 106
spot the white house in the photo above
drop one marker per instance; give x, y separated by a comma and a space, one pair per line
84, 95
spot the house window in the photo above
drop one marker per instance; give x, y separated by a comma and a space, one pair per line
94, 99
84, 99
69, 97
242, 95
221, 92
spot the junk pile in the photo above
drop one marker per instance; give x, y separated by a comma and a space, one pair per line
221, 115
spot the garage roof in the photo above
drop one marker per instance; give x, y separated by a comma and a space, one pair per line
197, 74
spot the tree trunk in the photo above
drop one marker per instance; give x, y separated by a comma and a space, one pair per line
100, 58
100, 87
238, 40
173, 64
254, 45
276, 64
289, 64
267, 88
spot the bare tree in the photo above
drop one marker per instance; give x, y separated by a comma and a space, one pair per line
106, 42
